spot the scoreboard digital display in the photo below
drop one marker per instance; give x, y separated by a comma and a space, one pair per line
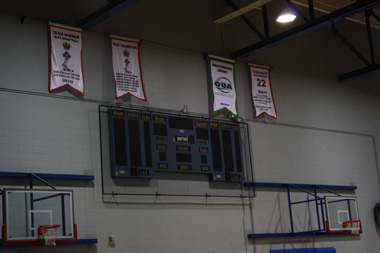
143, 143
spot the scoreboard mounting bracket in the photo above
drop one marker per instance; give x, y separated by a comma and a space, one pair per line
143, 143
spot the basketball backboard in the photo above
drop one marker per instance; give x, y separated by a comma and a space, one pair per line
342, 215
27, 209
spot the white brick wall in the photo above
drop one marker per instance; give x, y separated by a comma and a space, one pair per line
47, 133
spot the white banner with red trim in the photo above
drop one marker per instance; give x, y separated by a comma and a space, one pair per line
126, 67
223, 83
261, 89
66, 67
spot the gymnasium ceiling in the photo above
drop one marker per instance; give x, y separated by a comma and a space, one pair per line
195, 25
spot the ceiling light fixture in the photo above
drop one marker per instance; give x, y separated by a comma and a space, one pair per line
287, 14
286, 18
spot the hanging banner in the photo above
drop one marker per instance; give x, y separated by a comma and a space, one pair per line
66, 67
261, 89
222, 72
126, 67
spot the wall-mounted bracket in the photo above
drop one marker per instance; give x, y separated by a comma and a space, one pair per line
319, 204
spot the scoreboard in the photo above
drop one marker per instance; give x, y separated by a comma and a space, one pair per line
143, 143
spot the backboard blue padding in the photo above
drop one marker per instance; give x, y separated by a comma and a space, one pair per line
79, 241
325, 250
306, 250
47, 175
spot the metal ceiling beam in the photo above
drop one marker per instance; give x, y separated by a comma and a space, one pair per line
321, 10
242, 11
265, 21
337, 33
360, 72
311, 10
105, 13
298, 11
246, 20
373, 66
307, 27
369, 34
375, 16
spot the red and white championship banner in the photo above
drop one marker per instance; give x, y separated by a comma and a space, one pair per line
126, 67
261, 89
66, 67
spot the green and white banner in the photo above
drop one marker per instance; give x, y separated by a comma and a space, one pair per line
222, 72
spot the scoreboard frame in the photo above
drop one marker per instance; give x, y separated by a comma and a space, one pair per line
144, 142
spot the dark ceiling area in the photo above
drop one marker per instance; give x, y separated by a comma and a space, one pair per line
207, 26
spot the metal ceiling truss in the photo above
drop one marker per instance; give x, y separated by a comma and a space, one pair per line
311, 24
372, 66
246, 20
266, 40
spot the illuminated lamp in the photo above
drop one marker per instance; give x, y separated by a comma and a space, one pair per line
287, 15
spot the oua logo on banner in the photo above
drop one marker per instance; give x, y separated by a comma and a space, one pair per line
126, 67
66, 67
261, 89
223, 87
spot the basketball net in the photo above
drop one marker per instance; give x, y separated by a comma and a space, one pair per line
354, 225
355, 231
49, 233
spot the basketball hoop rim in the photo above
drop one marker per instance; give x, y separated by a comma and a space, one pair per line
345, 231
44, 228
32, 241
